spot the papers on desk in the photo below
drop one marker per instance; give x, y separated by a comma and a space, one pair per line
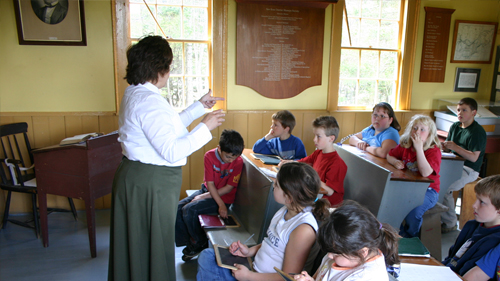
418, 272
268, 172
448, 154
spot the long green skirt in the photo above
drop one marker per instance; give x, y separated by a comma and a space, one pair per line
143, 211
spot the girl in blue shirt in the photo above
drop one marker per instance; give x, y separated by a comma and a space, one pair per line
382, 135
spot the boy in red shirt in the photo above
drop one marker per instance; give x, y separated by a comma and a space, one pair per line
223, 166
325, 160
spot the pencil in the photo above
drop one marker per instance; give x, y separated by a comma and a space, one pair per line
244, 243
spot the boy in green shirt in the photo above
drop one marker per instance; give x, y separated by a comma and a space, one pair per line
467, 139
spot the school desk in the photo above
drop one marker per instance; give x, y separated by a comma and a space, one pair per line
451, 170
84, 171
390, 194
254, 205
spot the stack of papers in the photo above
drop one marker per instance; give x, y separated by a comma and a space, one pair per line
418, 272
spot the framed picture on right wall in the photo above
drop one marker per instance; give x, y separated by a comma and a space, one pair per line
467, 79
473, 41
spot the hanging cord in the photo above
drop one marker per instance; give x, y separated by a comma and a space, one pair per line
151, 12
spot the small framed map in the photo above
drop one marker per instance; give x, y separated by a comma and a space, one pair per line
473, 41
467, 79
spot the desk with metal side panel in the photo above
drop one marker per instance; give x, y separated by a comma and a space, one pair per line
390, 194
254, 205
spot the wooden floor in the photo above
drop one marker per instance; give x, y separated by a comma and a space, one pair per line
23, 257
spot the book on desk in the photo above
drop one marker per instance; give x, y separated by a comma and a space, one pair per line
267, 159
79, 138
412, 247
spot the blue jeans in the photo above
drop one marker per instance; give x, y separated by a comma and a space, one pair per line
208, 269
414, 218
187, 224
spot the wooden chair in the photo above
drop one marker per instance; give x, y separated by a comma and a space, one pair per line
16, 174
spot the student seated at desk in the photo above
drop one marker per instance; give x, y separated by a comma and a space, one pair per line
359, 247
467, 139
325, 160
280, 141
290, 236
382, 135
487, 268
223, 166
419, 151
482, 234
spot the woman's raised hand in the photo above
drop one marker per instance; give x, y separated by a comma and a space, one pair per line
214, 119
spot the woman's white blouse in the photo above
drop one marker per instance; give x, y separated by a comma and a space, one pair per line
152, 132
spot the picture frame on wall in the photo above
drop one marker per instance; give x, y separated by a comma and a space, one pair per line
50, 22
473, 41
467, 79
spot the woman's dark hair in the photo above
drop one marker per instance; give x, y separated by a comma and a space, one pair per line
147, 58
301, 183
351, 227
388, 109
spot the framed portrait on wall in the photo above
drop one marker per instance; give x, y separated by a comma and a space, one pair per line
50, 22
473, 41
467, 79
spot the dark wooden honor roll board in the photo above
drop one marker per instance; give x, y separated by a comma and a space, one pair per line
435, 45
279, 48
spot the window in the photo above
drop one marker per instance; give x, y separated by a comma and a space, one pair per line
371, 59
186, 24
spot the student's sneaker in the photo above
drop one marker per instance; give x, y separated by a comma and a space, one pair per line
445, 229
190, 255
189, 252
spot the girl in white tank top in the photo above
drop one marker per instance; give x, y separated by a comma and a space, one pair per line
291, 236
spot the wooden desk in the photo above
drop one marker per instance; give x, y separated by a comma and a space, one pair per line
390, 194
83, 171
259, 164
420, 260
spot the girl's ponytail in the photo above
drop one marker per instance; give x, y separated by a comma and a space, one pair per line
389, 244
320, 209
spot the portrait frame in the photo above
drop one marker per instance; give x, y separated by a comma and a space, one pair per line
467, 79
32, 30
478, 32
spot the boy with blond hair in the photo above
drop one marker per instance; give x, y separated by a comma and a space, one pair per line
481, 234
280, 141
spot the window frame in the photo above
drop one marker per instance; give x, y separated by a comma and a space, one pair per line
407, 41
217, 49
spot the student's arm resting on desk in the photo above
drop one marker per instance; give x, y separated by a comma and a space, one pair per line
357, 141
393, 157
468, 155
297, 250
476, 274
382, 151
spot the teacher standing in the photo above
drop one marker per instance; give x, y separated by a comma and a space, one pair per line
155, 143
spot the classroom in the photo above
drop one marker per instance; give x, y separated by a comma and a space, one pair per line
63, 90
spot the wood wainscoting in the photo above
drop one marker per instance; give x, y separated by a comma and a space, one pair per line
47, 129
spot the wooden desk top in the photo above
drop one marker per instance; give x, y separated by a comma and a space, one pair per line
259, 164
396, 174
